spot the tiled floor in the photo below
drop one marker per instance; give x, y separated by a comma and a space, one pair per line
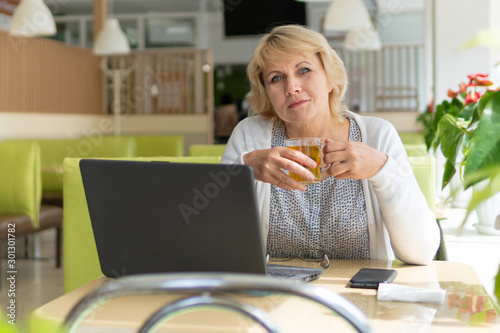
38, 281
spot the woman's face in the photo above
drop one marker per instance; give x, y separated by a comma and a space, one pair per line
298, 89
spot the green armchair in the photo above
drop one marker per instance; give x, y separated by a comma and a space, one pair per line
424, 169
20, 182
54, 151
21, 212
207, 150
159, 145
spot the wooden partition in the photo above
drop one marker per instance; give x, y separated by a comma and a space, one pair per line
39, 75
389, 79
165, 81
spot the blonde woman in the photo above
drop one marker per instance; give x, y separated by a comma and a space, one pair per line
368, 204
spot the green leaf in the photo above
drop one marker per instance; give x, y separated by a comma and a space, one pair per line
429, 138
455, 101
451, 137
492, 188
449, 171
497, 286
440, 112
485, 143
485, 99
426, 119
467, 112
454, 111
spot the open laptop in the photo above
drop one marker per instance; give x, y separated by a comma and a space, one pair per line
152, 217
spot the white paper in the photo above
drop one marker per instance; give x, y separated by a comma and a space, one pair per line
400, 293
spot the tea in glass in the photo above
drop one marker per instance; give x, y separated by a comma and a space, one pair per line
312, 148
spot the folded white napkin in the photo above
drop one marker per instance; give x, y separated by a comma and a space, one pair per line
400, 293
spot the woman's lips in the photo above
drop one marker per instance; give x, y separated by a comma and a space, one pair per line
297, 103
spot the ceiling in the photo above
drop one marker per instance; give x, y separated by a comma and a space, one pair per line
84, 7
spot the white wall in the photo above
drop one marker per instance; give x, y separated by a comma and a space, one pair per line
194, 128
456, 22
15, 125
401, 27
228, 50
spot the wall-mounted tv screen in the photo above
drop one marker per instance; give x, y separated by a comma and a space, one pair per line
254, 17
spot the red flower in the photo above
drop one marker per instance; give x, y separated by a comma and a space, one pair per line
463, 88
479, 79
476, 75
483, 82
430, 107
452, 94
473, 97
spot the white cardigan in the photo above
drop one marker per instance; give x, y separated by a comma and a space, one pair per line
397, 211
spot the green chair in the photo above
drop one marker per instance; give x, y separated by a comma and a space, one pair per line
159, 145
54, 151
20, 181
424, 169
416, 149
21, 213
81, 264
412, 137
207, 150
5, 326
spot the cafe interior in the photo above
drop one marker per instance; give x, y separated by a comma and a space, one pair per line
146, 80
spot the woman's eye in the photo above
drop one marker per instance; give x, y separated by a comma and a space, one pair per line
276, 78
304, 70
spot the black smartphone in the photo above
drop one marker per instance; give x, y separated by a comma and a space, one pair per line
369, 278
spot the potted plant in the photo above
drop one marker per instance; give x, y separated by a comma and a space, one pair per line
467, 128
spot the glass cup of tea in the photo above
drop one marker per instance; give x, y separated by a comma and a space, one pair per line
312, 148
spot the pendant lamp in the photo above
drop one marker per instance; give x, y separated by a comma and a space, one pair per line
111, 40
344, 15
32, 18
363, 38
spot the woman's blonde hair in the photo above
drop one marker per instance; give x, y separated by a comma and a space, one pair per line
285, 42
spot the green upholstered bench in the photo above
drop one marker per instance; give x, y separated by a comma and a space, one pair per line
412, 137
424, 169
54, 151
81, 264
21, 212
159, 145
207, 150
416, 149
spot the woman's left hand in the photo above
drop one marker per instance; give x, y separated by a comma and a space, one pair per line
350, 159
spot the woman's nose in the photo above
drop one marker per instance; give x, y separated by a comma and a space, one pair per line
293, 87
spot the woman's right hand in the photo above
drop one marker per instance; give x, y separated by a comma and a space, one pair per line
267, 165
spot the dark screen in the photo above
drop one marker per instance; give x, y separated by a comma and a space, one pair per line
253, 17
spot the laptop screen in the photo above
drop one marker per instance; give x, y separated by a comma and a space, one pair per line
150, 217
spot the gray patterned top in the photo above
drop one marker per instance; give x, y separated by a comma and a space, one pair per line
329, 217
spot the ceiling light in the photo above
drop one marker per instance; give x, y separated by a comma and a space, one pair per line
344, 15
32, 18
362, 38
111, 40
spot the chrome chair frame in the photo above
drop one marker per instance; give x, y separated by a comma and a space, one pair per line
204, 284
